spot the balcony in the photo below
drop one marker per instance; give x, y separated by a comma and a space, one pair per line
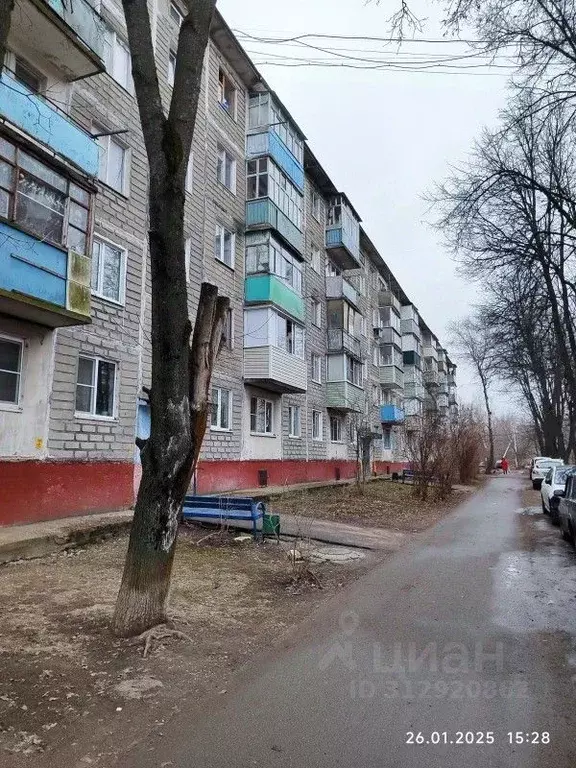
414, 391
263, 213
391, 376
338, 288
442, 401
431, 378
387, 335
68, 34
391, 414
452, 400
430, 350
269, 289
343, 234
387, 299
42, 283
269, 143
412, 358
344, 396
275, 369
39, 119
410, 326
342, 341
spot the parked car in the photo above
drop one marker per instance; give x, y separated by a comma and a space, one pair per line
540, 470
533, 461
567, 509
552, 490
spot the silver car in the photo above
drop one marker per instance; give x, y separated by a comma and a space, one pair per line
540, 470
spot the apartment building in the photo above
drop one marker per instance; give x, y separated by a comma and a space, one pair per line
322, 345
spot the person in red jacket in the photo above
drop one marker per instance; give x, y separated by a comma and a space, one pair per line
505, 465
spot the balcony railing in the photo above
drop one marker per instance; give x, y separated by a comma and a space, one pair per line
431, 378
273, 368
344, 396
411, 326
391, 376
338, 288
48, 125
430, 350
269, 289
42, 283
387, 335
387, 299
391, 414
264, 213
342, 341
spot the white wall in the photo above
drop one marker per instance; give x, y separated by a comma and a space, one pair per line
261, 446
24, 429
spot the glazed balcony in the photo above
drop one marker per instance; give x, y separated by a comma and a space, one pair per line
263, 214
44, 122
269, 289
267, 142
343, 234
42, 283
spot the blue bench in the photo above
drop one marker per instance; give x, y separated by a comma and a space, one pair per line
222, 508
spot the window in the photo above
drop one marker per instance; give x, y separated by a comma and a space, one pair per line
265, 254
42, 201
226, 169
10, 370
265, 179
189, 182
290, 336
263, 112
261, 416
354, 371
316, 260
387, 440
316, 368
363, 325
171, 67
294, 428
317, 207
117, 59
224, 245
332, 270
317, 428
108, 270
176, 15
361, 283
113, 163
229, 330
95, 387
29, 76
226, 94
221, 409
316, 313
335, 429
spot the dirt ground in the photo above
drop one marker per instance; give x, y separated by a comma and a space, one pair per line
379, 503
68, 685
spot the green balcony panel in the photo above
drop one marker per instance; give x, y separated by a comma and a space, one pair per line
269, 289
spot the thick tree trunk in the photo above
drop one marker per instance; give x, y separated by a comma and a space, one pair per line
490, 460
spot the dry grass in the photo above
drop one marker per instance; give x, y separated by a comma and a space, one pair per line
67, 683
380, 503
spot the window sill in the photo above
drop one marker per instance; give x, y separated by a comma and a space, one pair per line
223, 186
317, 440
124, 195
295, 437
11, 407
232, 117
94, 417
108, 300
262, 434
337, 442
220, 261
220, 429
315, 381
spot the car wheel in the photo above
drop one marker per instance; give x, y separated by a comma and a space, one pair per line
554, 516
535, 485
566, 535
544, 510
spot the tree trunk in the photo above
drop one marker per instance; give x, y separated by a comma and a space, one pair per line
490, 461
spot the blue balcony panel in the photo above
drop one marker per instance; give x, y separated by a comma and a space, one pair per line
269, 143
264, 213
34, 280
391, 414
343, 248
45, 124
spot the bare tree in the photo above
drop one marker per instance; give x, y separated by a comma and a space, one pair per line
182, 361
472, 339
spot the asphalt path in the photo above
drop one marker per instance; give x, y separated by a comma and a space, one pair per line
459, 650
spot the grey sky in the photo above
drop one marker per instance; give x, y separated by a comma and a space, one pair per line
384, 137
